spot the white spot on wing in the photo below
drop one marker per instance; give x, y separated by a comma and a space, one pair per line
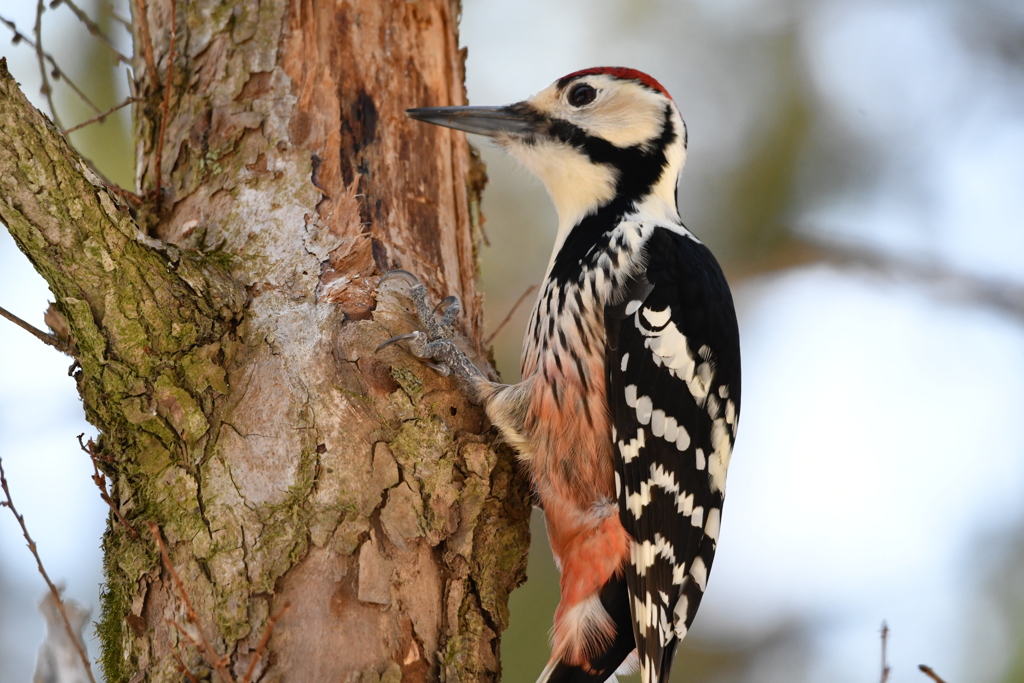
697, 519
682, 439
642, 555
718, 466
682, 607
632, 306
631, 396
635, 502
658, 423
657, 318
643, 409
714, 524
699, 572
625, 361
701, 461
632, 449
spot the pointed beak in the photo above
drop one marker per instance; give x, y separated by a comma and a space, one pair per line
489, 121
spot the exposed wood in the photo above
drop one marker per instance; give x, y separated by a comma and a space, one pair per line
226, 334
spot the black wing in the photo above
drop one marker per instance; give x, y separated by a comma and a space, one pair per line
673, 366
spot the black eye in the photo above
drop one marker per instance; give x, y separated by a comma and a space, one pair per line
582, 94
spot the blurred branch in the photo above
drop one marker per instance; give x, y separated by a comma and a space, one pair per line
92, 26
46, 89
118, 18
20, 37
1006, 297
956, 285
885, 662
927, 670
9, 504
511, 312
101, 117
49, 339
147, 41
166, 105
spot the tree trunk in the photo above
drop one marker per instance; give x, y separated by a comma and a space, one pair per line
225, 330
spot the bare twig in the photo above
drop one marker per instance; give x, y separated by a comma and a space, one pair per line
927, 671
101, 117
46, 89
167, 101
8, 503
182, 668
147, 42
205, 648
118, 18
885, 642
50, 339
21, 37
271, 622
100, 480
92, 26
512, 311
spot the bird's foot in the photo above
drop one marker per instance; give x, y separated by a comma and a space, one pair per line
433, 346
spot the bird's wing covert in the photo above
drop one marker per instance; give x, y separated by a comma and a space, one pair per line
673, 393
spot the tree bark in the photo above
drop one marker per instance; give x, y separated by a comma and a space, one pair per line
225, 330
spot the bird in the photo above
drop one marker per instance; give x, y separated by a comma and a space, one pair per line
626, 415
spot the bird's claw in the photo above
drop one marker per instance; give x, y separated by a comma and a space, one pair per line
434, 344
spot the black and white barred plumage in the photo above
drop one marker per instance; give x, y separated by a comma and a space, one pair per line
627, 412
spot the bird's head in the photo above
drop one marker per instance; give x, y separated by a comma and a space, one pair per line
595, 137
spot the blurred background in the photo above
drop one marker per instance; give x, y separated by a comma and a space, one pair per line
858, 168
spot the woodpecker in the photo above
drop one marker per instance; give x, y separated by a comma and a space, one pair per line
627, 411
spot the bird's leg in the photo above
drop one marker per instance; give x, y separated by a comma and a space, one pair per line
435, 343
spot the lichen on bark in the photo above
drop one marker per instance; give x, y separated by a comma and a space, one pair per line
225, 331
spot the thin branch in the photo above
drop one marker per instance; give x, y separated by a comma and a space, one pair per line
271, 622
92, 26
147, 41
885, 662
512, 311
53, 341
927, 671
182, 668
8, 503
46, 89
57, 73
101, 117
118, 18
167, 101
211, 656
100, 480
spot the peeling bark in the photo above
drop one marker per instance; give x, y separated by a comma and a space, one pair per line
226, 330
